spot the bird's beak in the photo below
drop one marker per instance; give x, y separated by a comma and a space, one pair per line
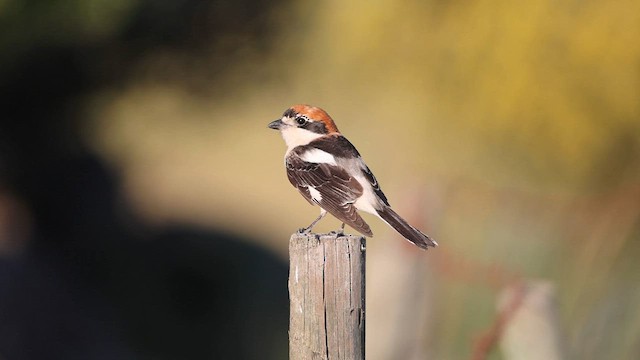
276, 124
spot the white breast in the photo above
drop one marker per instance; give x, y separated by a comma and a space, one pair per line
294, 136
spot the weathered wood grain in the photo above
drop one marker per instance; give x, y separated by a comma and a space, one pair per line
327, 297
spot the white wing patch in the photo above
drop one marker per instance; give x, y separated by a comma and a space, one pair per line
318, 156
315, 194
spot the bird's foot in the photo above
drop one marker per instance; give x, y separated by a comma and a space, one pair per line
304, 230
307, 230
338, 233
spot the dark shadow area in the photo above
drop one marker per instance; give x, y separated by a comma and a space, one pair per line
92, 282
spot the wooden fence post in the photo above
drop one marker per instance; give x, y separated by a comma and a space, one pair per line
327, 297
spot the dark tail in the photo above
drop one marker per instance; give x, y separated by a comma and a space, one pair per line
409, 232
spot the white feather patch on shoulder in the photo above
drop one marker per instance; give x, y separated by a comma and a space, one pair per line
318, 156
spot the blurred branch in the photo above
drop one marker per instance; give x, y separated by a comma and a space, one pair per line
531, 330
487, 342
526, 326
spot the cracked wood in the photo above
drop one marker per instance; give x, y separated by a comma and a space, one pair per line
327, 297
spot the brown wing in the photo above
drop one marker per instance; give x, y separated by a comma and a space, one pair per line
338, 190
342, 148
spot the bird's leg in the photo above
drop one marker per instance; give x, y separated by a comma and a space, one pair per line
323, 212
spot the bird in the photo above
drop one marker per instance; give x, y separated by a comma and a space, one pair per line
328, 171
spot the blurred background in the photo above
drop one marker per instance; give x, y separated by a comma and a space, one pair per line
145, 211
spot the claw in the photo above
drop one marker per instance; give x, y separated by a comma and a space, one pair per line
339, 232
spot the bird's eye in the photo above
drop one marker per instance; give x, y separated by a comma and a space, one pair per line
300, 120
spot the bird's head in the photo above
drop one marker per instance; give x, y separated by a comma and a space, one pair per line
301, 124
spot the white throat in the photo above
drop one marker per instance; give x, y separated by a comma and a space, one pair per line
294, 136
